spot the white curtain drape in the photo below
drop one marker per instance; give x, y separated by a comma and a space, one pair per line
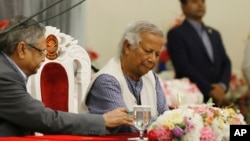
71, 22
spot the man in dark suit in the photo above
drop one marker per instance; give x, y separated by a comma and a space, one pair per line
197, 52
22, 50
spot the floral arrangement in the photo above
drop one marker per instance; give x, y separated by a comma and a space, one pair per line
237, 87
181, 90
194, 122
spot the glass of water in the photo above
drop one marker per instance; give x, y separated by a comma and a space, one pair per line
141, 119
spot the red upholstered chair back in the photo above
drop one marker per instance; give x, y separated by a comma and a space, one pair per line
54, 86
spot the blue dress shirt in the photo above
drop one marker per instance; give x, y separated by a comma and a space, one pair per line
105, 95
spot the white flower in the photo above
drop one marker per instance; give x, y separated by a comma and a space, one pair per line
181, 88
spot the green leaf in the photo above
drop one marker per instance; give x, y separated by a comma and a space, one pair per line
210, 100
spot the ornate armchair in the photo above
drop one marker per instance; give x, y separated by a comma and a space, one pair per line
63, 78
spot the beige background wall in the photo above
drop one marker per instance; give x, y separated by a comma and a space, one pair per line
106, 20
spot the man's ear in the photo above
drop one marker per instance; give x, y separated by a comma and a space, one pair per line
21, 49
126, 46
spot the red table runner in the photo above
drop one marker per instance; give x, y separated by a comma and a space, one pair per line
110, 137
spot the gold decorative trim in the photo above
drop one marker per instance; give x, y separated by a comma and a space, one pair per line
52, 47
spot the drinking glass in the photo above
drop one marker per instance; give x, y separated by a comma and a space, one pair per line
141, 119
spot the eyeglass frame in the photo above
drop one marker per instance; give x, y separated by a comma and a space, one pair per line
41, 52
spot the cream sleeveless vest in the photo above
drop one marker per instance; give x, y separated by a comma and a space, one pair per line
148, 92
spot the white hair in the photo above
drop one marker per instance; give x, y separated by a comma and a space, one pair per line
133, 33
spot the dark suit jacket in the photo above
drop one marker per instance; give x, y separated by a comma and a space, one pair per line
190, 58
22, 115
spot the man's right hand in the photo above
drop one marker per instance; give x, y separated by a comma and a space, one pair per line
117, 117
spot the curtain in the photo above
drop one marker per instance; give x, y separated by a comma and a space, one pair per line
71, 22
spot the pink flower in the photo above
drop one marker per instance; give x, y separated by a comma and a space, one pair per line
207, 134
164, 134
192, 88
202, 109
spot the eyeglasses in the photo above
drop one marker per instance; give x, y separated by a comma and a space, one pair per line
41, 52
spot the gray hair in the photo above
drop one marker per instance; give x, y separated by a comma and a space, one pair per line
133, 33
29, 31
